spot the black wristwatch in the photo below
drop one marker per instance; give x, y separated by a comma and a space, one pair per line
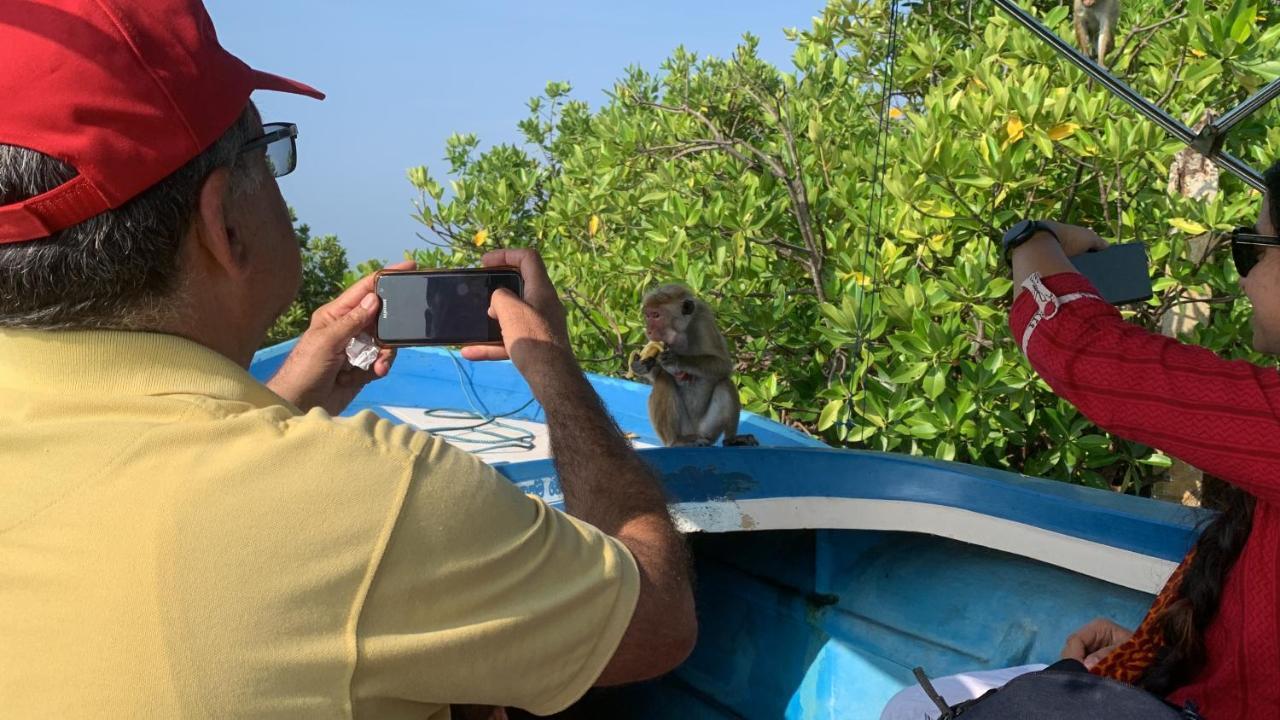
1022, 232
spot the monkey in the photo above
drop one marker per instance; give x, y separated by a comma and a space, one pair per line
1095, 22
693, 401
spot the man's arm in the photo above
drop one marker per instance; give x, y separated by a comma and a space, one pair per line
604, 482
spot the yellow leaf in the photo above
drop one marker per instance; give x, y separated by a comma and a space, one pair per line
1014, 128
935, 209
858, 277
937, 242
593, 226
896, 114
1189, 227
1196, 52
481, 238
1062, 130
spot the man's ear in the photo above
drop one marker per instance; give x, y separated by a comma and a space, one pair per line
213, 225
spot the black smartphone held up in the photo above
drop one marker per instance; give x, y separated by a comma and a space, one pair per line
1120, 272
441, 307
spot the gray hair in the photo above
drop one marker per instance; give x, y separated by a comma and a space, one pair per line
114, 270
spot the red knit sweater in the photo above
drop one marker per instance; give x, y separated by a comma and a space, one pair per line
1220, 416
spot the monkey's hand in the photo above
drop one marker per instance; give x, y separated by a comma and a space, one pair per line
643, 366
669, 361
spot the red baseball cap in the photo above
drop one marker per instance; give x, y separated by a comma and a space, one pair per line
124, 91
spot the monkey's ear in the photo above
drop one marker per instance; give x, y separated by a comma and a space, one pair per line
687, 307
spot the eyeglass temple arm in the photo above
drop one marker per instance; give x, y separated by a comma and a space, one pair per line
1207, 142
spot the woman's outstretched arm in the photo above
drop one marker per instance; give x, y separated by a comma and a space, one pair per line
1220, 416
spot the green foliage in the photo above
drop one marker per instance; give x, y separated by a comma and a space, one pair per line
758, 188
368, 267
324, 275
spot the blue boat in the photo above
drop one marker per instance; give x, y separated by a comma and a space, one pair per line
824, 576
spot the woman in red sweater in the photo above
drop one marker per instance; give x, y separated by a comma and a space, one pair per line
1213, 636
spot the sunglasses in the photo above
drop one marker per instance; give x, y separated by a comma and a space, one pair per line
1247, 247
280, 141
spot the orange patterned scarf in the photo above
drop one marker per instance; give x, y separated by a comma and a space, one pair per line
1128, 662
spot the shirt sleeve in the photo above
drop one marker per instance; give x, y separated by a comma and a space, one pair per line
1215, 414
485, 595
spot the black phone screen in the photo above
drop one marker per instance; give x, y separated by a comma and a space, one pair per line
1120, 272
441, 308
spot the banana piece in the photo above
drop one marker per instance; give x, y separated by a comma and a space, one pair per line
652, 349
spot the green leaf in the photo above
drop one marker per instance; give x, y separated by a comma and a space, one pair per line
1245, 14
978, 181
828, 416
935, 383
1267, 71
922, 429
1157, 459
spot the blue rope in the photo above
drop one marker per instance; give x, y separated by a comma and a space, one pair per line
491, 437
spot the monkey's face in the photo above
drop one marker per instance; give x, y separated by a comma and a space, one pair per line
667, 322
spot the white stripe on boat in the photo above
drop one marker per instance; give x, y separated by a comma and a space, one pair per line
1112, 564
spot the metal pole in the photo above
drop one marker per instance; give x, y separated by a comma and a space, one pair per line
1184, 134
1248, 107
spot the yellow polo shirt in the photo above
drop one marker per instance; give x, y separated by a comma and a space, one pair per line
178, 541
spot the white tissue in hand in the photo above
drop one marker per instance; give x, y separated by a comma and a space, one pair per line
361, 351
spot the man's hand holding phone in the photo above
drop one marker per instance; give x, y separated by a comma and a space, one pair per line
534, 330
535, 336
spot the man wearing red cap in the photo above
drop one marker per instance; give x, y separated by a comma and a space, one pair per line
179, 540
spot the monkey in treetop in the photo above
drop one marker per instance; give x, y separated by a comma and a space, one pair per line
1095, 23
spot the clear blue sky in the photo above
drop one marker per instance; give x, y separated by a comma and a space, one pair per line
401, 76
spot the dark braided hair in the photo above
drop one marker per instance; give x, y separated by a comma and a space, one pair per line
1183, 624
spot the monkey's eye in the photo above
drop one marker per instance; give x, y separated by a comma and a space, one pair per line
686, 307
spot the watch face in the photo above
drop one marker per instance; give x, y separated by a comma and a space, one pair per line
1020, 229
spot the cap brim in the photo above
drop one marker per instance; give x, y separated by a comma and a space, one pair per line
267, 81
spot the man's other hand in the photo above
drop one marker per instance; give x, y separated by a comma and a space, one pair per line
317, 373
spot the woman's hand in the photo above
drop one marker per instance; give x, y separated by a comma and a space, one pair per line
1093, 642
1076, 239
1047, 256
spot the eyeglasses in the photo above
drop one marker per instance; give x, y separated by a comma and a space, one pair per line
1247, 247
280, 140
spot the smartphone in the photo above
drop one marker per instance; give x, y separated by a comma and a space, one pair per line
441, 307
1120, 272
